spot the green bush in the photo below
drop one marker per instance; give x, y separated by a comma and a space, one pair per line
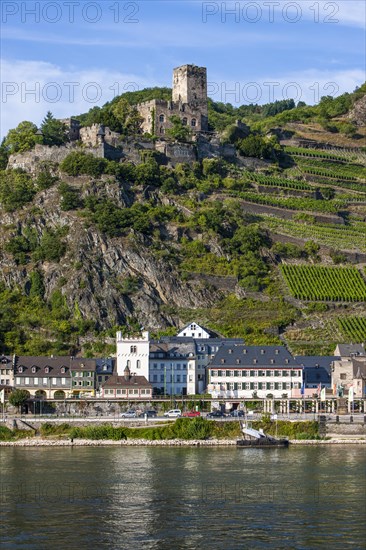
55, 429
77, 163
16, 189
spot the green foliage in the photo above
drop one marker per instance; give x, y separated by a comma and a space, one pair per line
354, 328
54, 131
256, 146
22, 138
178, 131
48, 429
77, 163
325, 283
51, 247
70, 197
287, 250
37, 288
17, 398
16, 189
45, 180
105, 431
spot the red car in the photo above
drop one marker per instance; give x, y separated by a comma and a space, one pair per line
191, 413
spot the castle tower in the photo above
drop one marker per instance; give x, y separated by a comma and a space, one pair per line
190, 86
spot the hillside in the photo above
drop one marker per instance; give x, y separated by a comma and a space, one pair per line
90, 245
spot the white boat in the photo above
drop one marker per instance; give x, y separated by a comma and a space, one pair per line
257, 438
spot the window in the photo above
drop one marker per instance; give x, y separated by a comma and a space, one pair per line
222, 360
238, 361
44, 381
255, 361
133, 349
155, 378
162, 378
47, 370
161, 118
262, 351
20, 369
17, 381
343, 376
63, 381
26, 380
34, 369
128, 363
35, 381
155, 366
184, 121
138, 364
63, 370
118, 392
193, 122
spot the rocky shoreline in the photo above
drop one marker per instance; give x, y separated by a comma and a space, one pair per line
38, 442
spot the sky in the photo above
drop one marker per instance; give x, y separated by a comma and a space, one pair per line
68, 56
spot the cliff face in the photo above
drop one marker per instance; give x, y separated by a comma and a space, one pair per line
107, 279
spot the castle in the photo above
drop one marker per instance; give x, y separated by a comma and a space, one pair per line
189, 103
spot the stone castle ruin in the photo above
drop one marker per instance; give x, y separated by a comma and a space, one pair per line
189, 103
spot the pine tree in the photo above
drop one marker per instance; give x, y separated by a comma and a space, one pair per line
54, 131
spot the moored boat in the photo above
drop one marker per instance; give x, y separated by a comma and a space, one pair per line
257, 438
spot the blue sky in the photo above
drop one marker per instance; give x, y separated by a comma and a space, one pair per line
68, 56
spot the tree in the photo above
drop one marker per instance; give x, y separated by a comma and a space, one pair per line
22, 138
179, 131
17, 398
54, 131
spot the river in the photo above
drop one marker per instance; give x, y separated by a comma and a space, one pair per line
183, 498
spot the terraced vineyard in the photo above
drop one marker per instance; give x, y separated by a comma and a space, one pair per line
272, 181
292, 203
353, 328
339, 237
311, 282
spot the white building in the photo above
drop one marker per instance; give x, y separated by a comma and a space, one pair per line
133, 353
240, 371
193, 330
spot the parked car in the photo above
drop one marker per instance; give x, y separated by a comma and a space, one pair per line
215, 414
129, 414
191, 413
237, 413
149, 414
173, 413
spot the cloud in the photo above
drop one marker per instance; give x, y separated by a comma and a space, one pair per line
31, 88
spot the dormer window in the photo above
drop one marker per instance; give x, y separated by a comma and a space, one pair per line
47, 370
245, 351
238, 361
277, 352
34, 369
262, 351
286, 361
20, 369
63, 370
230, 351
104, 367
255, 361
272, 361
222, 360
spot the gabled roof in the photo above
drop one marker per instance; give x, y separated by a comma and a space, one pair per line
5, 360
211, 333
242, 356
349, 350
55, 364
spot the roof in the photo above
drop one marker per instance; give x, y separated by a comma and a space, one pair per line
230, 356
347, 350
211, 333
55, 364
5, 360
317, 361
316, 375
109, 363
175, 349
131, 382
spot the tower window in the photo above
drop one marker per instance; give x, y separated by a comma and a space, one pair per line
133, 349
184, 121
161, 118
193, 122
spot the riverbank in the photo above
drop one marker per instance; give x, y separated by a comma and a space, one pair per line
39, 442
